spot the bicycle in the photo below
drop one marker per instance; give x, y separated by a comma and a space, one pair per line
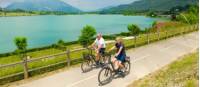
89, 61
108, 71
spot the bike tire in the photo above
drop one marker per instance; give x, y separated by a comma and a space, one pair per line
127, 65
105, 71
88, 64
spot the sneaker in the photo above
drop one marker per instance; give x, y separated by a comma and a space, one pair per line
97, 63
121, 72
102, 64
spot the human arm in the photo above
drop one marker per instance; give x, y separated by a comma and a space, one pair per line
119, 51
93, 44
111, 49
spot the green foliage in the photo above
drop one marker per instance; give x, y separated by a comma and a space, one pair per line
87, 34
124, 34
152, 14
60, 42
146, 30
154, 24
148, 5
21, 43
60, 45
133, 29
194, 9
191, 16
182, 72
20, 12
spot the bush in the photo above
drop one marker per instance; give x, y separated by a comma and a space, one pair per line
87, 34
191, 16
125, 34
110, 37
133, 29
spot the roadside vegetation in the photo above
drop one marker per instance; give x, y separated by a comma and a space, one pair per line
181, 73
19, 12
190, 16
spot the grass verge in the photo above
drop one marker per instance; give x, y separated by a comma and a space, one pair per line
181, 73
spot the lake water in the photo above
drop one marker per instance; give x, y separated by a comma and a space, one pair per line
46, 30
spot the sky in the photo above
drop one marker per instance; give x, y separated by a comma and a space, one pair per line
91, 5
85, 5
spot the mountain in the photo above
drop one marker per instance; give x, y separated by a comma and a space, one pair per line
153, 5
4, 3
41, 5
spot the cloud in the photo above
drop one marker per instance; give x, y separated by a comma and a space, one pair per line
89, 5
85, 5
5, 3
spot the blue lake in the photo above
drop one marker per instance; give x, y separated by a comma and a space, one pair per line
46, 30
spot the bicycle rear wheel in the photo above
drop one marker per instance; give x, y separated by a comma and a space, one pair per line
86, 65
105, 76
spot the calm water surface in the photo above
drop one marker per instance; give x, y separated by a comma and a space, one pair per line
46, 30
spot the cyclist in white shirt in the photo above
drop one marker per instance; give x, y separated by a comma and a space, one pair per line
100, 46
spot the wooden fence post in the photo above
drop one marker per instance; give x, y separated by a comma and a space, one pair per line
90, 51
181, 32
184, 30
25, 65
189, 28
135, 41
166, 35
147, 37
174, 32
158, 32
68, 57
196, 27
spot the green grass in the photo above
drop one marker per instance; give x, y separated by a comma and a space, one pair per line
181, 73
141, 40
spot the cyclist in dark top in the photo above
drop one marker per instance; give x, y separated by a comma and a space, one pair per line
120, 53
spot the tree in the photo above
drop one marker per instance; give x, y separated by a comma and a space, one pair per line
61, 45
152, 14
134, 31
21, 43
87, 34
154, 24
191, 16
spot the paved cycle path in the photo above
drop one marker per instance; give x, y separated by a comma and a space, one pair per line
144, 59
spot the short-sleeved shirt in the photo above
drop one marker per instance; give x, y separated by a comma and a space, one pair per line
100, 42
118, 46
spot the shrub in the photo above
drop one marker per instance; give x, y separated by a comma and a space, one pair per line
87, 34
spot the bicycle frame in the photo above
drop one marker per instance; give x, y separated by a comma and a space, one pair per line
112, 65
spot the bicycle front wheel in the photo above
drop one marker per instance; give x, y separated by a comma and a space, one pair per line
105, 76
127, 66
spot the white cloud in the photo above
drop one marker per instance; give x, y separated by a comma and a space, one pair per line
85, 5
89, 5
5, 3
